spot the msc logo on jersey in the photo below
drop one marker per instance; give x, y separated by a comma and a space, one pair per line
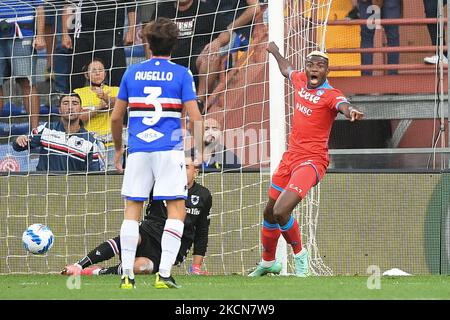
305, 110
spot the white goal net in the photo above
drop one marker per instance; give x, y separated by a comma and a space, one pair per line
85, 209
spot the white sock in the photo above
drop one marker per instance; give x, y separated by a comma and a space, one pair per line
170, 245
267, 264
129, 237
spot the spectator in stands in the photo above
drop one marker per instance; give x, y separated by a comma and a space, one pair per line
62, 57
353, 13
18, 39
146, 10
390, 9
99, 32
238, 18
97, 100
196, 21
50, 35
431, 11
65, 146
215, 154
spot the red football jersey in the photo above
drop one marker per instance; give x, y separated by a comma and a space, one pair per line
314, 113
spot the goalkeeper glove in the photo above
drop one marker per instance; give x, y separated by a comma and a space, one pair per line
196, 269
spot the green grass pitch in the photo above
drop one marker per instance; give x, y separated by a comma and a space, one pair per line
234, 287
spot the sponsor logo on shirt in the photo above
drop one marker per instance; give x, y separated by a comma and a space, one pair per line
193, 211
305, 110
186, 27
149, 135
308, 96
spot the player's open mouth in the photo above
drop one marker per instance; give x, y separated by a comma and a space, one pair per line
313, 79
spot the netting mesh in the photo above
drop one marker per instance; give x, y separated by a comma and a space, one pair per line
83, 209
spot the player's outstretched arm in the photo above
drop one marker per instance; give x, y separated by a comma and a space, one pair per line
350, 112
285, 66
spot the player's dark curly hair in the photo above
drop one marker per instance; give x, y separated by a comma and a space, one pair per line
161, 35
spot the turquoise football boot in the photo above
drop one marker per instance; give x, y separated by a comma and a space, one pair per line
260, 270
301, 264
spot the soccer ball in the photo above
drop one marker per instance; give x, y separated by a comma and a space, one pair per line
37, 239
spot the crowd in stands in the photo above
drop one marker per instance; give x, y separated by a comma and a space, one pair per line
86, 43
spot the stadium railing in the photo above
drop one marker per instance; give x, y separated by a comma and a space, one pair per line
414, 77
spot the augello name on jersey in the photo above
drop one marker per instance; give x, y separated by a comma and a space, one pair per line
153, 75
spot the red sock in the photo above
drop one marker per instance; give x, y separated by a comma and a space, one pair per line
269, 238
291, 232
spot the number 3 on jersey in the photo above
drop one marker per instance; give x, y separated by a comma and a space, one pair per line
152, 99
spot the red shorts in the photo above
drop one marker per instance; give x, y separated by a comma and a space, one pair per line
298, 176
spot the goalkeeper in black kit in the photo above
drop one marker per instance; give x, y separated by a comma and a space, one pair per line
148, 253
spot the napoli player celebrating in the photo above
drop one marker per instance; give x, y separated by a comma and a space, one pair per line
155, 93
304, 164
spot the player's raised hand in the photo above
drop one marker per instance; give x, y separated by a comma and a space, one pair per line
272, 47
355, 114
22, 141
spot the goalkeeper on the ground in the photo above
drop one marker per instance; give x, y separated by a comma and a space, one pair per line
148, 254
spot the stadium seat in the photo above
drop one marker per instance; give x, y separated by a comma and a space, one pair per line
19, 110
135, 51
45, 109
11, 109
15, 129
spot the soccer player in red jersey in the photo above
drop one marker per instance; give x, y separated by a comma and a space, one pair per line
305, 162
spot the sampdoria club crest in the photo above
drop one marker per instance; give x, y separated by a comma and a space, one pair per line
195, 199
